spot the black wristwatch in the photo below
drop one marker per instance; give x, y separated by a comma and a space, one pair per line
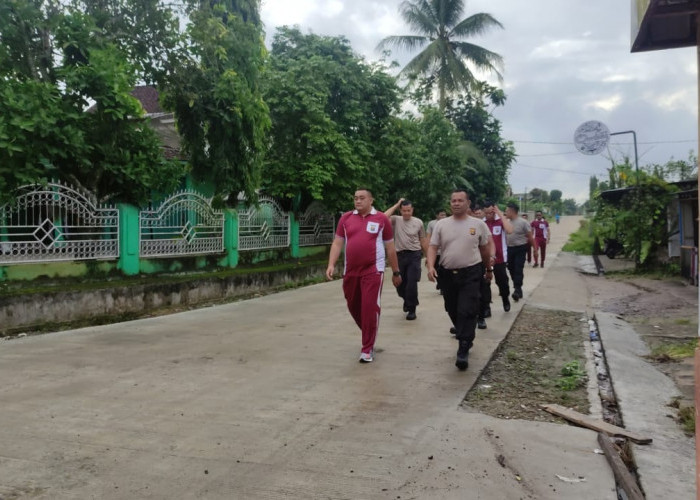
397, 273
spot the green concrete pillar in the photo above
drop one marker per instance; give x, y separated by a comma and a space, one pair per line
129, 239
3, 237
294, 229
231, 237
294, 235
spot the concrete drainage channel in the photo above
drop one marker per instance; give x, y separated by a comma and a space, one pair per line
611, 411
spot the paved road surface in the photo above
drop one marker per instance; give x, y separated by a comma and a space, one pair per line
265, 399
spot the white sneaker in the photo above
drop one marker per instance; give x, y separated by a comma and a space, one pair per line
366, 357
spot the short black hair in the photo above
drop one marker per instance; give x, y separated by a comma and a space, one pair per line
488, 203
513, 206
365, 189
461, 190
406, 203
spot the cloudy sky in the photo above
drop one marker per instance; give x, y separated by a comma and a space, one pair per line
566, 62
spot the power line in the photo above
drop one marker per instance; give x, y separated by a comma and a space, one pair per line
556, 170
612, 143
550, 154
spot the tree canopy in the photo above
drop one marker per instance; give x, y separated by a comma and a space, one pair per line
214, 90
55, 62
471, 115
445, 57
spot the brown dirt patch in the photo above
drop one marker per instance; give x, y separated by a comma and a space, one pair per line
663, 311
542, 361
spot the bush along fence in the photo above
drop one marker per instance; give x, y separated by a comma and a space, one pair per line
57, 230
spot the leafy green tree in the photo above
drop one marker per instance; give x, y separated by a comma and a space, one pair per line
569, 207
446, 56
676, 170
540, 196
216, 96
425, 159
54, 62
555, 195
146, 31
471, 114
330, 112
638, 218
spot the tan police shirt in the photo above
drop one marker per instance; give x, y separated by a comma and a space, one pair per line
407, 233
459, 241
519, 235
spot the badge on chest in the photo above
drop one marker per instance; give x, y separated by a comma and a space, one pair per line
373, 227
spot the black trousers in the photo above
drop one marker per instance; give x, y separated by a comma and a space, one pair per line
461, 290
516, 263
501, 277
409, 266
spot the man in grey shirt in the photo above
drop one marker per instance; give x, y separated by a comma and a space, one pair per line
411, 244
517, 242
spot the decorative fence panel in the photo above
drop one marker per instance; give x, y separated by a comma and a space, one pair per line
316, 226
262, 227
183, 224
56, 223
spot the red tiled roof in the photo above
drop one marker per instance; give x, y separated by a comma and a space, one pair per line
148, 97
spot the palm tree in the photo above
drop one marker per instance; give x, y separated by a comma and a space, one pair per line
444, 58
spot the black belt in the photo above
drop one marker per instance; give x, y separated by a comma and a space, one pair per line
407, 251
458, 270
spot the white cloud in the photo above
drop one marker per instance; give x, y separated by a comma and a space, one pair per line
681, 99
606, 104
285, 12
557, 49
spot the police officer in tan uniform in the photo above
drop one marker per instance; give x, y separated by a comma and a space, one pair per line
467, 253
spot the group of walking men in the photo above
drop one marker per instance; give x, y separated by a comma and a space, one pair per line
464, 253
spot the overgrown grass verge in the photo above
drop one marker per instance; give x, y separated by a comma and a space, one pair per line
685, 415
581, 242
674, 351
86, 283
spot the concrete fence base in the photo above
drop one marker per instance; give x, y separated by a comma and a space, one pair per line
46, 310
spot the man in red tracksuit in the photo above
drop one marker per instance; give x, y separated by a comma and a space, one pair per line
540, 232
499, 225
369, 239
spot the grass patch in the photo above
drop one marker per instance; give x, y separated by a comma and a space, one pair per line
675, 351
572, 377
540, 362
682, 321
87, 283
685, 416
582, 241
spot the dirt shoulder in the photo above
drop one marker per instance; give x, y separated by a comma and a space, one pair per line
663, 311
542, 361
538, 362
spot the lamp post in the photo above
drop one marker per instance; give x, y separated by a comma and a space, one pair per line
591, 138
637, 200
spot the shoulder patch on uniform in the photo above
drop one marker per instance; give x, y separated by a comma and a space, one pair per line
472, 231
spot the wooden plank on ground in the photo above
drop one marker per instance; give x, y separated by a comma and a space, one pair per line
622, 474
595, 424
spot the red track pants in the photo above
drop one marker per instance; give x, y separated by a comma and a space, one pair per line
363, 294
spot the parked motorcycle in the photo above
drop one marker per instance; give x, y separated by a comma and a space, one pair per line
612, 248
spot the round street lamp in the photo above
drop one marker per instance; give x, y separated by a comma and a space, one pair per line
591, 138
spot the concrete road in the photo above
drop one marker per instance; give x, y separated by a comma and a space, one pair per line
266, 399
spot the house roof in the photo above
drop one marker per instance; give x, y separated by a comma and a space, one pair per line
147, 96
685, 191
664, 24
